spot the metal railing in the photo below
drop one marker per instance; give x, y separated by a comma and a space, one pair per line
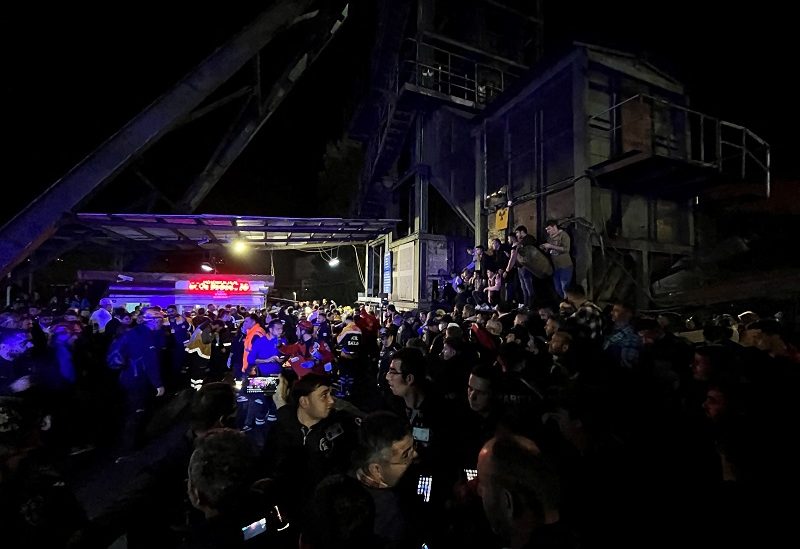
440, 70
652, 125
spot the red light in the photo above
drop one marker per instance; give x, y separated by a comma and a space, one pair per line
210, 285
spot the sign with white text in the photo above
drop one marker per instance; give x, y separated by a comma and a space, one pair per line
203, 285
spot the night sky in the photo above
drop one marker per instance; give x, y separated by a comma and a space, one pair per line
74, 74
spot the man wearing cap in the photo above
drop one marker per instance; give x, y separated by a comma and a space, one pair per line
101, 316
389, 347
430, 332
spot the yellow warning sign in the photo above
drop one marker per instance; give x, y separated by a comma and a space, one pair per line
501, 219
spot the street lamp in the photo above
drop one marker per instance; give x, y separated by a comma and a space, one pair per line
239, 247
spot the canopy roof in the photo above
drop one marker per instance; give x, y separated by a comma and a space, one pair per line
208, 231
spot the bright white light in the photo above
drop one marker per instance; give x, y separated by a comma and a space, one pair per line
239, 247
334, 262
206, 266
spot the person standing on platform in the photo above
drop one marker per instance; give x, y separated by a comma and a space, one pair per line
558, 245
525, 276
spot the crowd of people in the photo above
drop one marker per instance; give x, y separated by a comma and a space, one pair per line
491, 420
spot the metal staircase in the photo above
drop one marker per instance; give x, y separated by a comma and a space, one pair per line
425, 77
384, 150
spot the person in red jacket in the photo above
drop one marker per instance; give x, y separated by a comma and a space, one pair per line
369, 325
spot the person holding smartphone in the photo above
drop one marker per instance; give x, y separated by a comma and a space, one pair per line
220, 474
264, 359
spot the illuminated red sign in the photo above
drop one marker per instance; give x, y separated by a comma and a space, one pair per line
222, 285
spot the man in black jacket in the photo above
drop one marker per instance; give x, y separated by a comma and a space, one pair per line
386, 450
309, 441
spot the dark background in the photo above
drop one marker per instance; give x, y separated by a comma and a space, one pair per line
74, 74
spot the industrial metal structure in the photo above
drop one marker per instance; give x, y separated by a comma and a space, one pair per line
466, 131
606, 144
435, 66
469, 143
28, 234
